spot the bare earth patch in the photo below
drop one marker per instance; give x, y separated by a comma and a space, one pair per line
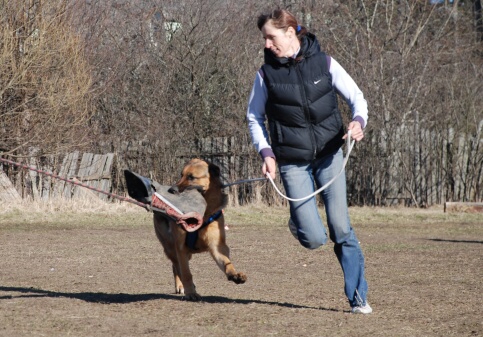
73, 271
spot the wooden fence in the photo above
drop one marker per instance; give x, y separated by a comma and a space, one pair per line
90, 169
7, 190
417, 166
412, 166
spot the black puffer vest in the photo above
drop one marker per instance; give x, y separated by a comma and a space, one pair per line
302, 112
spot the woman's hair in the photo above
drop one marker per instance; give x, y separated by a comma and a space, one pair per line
281, 19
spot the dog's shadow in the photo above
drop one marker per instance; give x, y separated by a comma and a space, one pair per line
121, 298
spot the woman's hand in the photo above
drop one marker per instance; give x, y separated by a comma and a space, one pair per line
269, 166
356, 131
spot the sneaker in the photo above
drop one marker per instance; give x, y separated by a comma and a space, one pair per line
362, 309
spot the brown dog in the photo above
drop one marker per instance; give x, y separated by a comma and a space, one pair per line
206, 177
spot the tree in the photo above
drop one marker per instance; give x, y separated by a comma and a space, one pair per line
153, 80
478, 18
44, 79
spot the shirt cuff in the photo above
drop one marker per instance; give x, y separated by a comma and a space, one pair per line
360, 120
267, 152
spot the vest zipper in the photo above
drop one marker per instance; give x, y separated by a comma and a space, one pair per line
306, 110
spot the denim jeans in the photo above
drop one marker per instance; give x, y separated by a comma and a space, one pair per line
301, 180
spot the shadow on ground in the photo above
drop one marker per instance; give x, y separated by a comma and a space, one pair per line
106, 298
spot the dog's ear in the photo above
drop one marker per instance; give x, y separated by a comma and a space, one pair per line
214, 170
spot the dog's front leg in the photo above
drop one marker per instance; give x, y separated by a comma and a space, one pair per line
221, 254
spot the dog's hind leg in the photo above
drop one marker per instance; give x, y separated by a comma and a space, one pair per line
181, 269
166, 238
183, 279
186, 278
177, 280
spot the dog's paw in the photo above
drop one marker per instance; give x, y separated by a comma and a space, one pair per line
238, 278
180, 290
194, 297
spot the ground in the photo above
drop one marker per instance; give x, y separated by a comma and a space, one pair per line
103, 273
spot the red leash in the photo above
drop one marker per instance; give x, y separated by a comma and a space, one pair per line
75, 183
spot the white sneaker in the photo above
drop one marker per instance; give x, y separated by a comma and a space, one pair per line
362, 309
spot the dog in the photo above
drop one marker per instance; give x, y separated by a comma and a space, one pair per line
211, 238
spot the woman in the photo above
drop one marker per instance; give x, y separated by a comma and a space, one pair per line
295, 90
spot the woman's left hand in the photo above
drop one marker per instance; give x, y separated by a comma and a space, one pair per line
356, 131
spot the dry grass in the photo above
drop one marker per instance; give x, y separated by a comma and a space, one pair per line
78, 205
255, 214
87, 212
71, 213
367, 215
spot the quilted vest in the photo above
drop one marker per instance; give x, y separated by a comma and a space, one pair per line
303, 116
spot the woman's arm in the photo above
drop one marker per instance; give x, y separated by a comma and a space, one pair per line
348, 89
256, 117
256, 124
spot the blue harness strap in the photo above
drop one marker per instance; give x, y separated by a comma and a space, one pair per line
192, 237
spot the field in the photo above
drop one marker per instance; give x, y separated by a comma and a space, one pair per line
70, 269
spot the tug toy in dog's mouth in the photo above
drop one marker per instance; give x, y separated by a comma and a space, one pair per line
186, 208
190, 221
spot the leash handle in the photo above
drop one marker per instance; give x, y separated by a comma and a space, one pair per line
349, 145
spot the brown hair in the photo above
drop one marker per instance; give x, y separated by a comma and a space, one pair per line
281, 19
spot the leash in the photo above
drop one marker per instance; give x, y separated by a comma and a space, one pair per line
73, 182
243, 181
349, 146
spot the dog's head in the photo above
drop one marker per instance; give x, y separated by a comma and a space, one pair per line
200, 175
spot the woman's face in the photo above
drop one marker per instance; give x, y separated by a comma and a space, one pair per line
282, 43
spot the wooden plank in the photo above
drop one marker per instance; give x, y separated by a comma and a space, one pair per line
87, 168
45, 180
97, 168
95, 171
84, 170
8, 193
46, 185
72, 167
105, 182
33, 179
59, 184
69, 163
467, 207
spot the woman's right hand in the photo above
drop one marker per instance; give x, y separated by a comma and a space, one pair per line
269, 166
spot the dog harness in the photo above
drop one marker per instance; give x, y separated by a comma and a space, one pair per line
192, 237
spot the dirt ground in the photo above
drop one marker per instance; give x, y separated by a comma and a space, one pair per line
105, 274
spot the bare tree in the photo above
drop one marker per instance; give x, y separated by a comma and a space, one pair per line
170, 73
44, 79
170, 80
420, 70
478, 18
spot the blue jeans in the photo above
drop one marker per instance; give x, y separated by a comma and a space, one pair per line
303, 179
